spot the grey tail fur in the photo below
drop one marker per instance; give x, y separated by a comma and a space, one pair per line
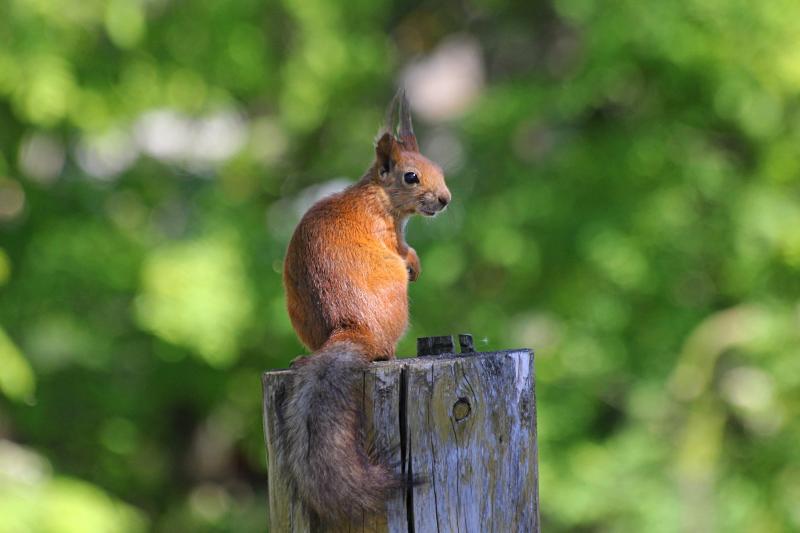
321, 441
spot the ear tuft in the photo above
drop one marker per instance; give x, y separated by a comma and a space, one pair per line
407, 136
398, 121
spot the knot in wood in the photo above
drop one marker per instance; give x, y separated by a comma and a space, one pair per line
461, 409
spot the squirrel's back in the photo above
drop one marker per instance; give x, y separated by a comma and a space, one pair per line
341, 271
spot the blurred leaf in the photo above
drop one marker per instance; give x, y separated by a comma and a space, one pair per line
17, 380
197, 295
63, 505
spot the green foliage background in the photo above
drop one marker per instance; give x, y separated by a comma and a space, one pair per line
626, 189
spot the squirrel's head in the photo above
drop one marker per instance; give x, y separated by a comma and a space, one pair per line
414, 183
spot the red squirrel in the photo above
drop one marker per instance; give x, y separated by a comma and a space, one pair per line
346, 276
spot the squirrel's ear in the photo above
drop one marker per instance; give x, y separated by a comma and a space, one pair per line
407, 136
384, 151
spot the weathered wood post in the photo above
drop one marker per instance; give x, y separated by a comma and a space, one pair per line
466, 422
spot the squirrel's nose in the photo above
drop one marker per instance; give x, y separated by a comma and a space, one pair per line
444, 199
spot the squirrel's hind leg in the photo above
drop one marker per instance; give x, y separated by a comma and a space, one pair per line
300, 360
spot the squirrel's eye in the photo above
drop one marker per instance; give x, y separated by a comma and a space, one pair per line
411, 177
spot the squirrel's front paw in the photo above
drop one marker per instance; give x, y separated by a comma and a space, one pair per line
412, 265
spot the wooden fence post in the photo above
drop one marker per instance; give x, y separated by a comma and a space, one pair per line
465, 422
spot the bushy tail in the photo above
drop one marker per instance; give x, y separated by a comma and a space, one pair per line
322, 437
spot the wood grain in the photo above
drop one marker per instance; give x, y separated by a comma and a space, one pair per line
464, 423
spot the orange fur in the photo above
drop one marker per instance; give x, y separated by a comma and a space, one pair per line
348, 264
346, 276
